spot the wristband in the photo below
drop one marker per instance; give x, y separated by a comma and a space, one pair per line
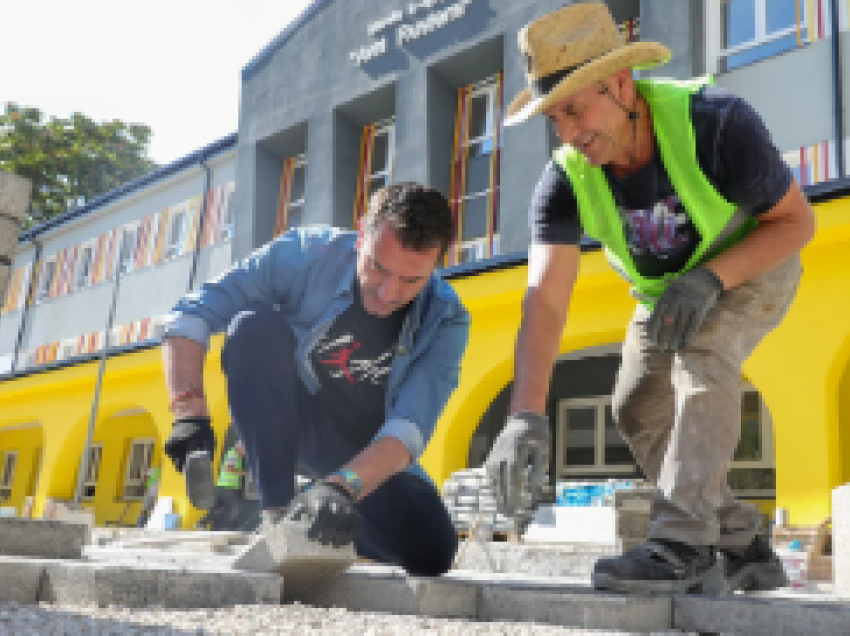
185, 395
351, 480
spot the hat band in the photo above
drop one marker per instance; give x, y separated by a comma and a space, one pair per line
541, 87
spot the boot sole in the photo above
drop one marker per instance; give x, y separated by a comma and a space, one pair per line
200, 486
759, 577
711, 582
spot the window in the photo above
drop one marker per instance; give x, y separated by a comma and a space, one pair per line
48, 274
227, 215
588, 441
36, 472
475, 188
128, 249
7, 478
84, 266
92, 471
295, 217
138, 462
177, 228
741, 32
753, 472
383, 151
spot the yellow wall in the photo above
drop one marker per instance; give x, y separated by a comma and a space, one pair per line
801, 371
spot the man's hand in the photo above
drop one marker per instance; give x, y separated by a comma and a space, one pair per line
189, 434
524, 441
682, 309
329, 510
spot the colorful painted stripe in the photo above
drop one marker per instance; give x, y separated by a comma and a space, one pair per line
364, 172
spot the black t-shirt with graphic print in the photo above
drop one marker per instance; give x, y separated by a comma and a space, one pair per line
734, 151
353, 363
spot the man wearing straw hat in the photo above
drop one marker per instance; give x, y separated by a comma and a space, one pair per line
681, 184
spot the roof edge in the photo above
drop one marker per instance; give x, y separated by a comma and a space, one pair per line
200, 155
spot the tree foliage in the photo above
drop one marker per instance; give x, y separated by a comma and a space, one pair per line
70, 161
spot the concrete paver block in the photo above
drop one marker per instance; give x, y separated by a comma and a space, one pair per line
386, 589
841, 540
574, 607
42, 538
20, 578
81, 583
306, 566
759, 616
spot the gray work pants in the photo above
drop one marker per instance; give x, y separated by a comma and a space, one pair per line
681, 412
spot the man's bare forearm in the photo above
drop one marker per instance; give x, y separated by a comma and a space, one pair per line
377, 462
183, 365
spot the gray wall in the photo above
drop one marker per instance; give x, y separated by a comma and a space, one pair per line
309, 80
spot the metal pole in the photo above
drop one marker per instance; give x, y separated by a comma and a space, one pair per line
78, 491
836, 88
196, 253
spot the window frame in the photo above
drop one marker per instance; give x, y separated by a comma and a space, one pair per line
81, 281
386, 127
7, 477
127, 262
768, 455
599, 466
45, 283
226, 231
715, 53
300, 162
137, 481
89, 481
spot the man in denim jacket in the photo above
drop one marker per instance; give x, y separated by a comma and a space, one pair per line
341, 352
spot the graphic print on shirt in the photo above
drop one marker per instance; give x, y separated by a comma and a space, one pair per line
338, 355
662, 230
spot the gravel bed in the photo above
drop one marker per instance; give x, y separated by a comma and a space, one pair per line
250, 619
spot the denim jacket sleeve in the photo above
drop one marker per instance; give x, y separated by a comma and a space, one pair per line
429, 382
271, 275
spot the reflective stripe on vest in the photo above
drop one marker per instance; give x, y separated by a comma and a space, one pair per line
717, 221
229, 475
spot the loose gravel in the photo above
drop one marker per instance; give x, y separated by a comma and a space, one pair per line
251, 619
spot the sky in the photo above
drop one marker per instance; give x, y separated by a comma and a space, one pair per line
174, 65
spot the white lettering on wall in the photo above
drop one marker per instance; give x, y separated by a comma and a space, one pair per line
379, 25
366, 53
408, 32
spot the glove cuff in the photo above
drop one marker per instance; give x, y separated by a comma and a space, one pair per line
339, 488
710, 278
531, 417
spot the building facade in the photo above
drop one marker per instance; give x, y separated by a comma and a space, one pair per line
357, 94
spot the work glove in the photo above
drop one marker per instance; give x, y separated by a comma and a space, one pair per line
189, 434
520, 456
682, 309
330, 512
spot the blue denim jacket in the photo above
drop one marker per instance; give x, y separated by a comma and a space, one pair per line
308, 274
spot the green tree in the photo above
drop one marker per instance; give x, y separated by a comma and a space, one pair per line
70, 161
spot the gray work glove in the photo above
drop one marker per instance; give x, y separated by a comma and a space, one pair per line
682, 309
330, 512
520, 454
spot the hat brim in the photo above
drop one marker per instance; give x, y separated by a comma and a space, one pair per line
637, 55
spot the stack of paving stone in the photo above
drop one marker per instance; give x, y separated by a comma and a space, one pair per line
468, 495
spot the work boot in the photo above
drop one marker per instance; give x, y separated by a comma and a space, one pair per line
200, 485
755, 568
664, 566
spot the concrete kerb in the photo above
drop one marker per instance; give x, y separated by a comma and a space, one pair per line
760, 616
21, 578
82, 583
42, 538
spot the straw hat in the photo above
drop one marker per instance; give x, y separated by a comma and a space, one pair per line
571, 48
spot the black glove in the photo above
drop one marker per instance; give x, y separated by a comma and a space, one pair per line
189, 434
330, 511
682, 308
519, 456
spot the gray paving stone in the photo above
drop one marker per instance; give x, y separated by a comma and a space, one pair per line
573, 606
81, 583
760, 616
20, 578
306, 566
382, 589
42, 538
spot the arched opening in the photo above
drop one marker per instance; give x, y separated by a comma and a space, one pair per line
21, 453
